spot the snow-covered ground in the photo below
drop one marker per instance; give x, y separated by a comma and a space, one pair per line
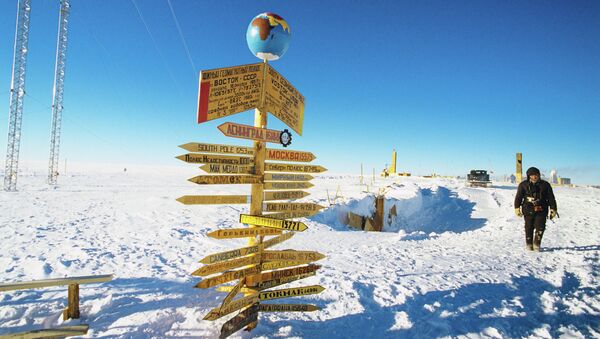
452, 263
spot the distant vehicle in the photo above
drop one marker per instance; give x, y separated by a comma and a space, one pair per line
478, 178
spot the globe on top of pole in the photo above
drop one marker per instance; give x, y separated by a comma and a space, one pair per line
268, 36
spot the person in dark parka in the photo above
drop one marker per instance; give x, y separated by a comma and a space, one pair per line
533, 200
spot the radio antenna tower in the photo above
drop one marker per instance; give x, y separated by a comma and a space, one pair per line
57, 96
17, 93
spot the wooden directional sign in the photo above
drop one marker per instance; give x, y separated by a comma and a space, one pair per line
235, 305
273, 223
287, 177
199, 158
290, 215
264, 285
228, 276
216, 148
283, 100
234, 291
225, 179
287, 185
228, 169
285, 195
274, 167
291, 207
233, 130
275, 265
242, 232
253, 280
290, 292
226, 265
277, 240
227, 91
287, 308
307, 256
236, 323
289, 155
213, 199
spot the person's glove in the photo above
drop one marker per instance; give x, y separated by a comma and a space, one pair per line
518, 212
553, 214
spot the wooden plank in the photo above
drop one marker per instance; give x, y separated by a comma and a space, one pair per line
229, 288
234, 291
228, 169
226, 91
72, 310
287, 185
225, 179
291, 207
288, 308
264, 285
57, 332
248, 132
226, 277
213, 199
235, 305
287, 177
288, 255
290, 292
217, 148
273, 223
201, 158
253, 280
295, 168
240, 252
283, 100
285, 195
290, 215
289, 155
92, 279
226, 265
246, 317
275, 265
242, 233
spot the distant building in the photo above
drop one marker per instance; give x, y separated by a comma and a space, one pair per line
553, 177
564, 181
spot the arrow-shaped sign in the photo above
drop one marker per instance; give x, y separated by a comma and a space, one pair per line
291, 207
288, 255
242, 232
246, 317
216, 148
240, 252
285, 195
287, 177
273, 223
253, 280
213, 199
287, 308
225, 179
287, 185
228, 169
274, 167
234, 130
228, 276
290, 215
199, 158
289, 155
290, 292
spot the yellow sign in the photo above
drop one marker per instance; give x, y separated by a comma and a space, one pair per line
289, 155
216, 148
234, 291
274, 265
287, 177
228, 276
290, 292
228, 169
290, 215
199, 158
274, 167
287, 308
227, 91
246, 317
235, 305
278, 239
213, 199
225, 179
233, 130
253, 280
283, 100
291, 207
264, 285
274, 223
226, 265
285, 195
242, 232
287, 185
288, 255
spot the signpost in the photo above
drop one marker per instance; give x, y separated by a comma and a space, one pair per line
224, 92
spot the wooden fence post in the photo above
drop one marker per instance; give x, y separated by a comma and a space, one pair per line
72, 311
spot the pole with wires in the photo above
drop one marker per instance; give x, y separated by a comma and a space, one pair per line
57, 99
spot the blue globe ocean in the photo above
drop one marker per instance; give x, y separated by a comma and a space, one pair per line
268, 36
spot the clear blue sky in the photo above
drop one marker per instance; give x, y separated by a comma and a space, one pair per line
452, 85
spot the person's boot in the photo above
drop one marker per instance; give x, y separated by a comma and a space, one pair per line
530, 247
536, 247
537, 241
